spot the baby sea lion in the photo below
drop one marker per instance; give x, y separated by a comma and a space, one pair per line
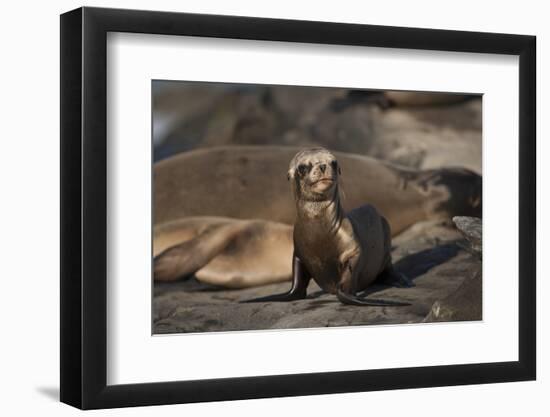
343, 253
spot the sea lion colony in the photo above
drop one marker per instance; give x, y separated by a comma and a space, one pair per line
243, 253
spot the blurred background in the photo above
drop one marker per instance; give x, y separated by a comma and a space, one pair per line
414, 129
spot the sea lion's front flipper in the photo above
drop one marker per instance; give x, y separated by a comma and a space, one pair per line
300, 281
286, 296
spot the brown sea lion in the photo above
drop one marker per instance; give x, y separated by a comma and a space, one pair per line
343, 253
245, 182
222, 251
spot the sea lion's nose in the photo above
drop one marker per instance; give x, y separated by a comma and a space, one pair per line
323, 167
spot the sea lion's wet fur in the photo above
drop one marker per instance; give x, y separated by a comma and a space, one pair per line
344, 254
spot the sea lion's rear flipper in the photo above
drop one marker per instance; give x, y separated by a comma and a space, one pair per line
300, 281
350, 299
188, 257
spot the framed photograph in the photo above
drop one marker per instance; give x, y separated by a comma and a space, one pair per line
259, 208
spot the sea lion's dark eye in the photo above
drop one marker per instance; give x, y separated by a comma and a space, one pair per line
302, 169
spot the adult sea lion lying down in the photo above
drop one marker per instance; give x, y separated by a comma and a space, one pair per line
248, 182
242, 253
222, 251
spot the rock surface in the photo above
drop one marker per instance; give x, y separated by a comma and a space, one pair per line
466, 302
430, 253
471, 228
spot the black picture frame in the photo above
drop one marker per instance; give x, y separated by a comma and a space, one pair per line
84, 207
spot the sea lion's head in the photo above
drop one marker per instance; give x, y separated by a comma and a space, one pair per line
314, 175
